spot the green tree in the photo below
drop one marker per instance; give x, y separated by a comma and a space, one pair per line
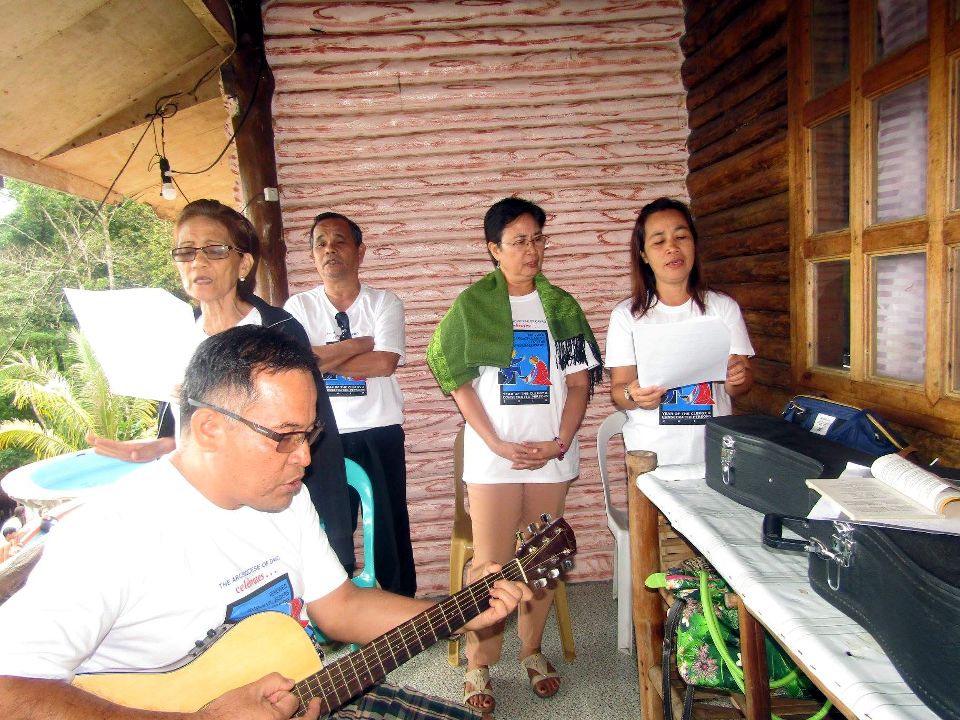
64, 407
54, 240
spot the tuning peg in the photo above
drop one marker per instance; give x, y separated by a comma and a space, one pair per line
519, 537
532, 528
545, 517
540, 583
553, 574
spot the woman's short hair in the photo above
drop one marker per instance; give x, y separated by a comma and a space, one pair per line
241, 231
642, 279
503, 212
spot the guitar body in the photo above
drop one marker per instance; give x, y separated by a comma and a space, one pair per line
273, 642
256, 646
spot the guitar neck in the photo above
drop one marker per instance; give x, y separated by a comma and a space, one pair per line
352, 674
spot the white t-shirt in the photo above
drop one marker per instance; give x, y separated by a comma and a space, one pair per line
524, 402
133, 578
197, 336
364, 403
675, 429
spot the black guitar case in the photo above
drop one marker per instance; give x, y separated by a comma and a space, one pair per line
763, 462
901, 585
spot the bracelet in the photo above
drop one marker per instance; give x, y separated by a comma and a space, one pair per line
563, 448
626, 394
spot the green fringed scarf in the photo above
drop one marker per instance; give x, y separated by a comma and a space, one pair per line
478, 331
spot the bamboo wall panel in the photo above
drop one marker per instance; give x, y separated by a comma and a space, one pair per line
414, 117
735, 75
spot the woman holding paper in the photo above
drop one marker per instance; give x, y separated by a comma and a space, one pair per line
217, 252
677, 351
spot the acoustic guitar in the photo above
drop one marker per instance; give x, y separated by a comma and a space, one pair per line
240, 653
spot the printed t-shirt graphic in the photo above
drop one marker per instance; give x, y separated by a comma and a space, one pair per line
687, 405
339, 385
527, 380
276, 596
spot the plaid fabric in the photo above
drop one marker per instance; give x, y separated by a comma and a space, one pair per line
392, 702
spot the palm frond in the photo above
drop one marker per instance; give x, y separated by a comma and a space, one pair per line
30, 436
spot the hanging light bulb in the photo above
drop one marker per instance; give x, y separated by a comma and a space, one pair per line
167, 189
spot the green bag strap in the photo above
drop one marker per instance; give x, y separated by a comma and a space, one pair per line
706, 600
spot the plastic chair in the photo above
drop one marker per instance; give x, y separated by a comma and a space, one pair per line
461, 550
618, 524
357, 479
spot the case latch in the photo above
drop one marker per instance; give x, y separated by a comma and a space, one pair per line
728, 452
839, 554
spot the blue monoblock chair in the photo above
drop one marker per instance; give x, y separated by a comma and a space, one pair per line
358, 480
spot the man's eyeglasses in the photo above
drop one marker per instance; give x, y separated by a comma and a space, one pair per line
538, 241
343, 322
286, 442
211, 252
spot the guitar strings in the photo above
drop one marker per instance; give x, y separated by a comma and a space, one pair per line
325, 684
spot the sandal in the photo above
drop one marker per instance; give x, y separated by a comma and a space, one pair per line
539, 669
479, 680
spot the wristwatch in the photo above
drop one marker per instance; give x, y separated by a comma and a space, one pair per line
626, 393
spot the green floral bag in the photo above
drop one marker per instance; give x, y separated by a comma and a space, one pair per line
708, 645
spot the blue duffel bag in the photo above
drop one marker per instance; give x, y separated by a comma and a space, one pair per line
845, 424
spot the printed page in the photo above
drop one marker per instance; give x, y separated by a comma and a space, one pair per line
143, 338
869, 499
917, 483
683, 353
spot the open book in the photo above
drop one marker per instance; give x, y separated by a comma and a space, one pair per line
898, 490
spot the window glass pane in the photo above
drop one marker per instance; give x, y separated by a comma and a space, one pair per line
831, 174
954, 109
900, 152
832, 308
899, 331
900, 23
955, 324
829, 44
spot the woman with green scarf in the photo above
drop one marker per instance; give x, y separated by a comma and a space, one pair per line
521, 361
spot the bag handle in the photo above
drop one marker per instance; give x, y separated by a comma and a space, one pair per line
772, 532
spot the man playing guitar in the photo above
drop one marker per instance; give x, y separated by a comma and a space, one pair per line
122, 588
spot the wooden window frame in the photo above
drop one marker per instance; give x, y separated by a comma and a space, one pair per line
932, 404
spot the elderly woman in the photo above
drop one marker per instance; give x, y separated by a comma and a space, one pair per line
669, 287
217, 251
520, 360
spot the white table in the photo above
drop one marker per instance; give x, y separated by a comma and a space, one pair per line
837, 653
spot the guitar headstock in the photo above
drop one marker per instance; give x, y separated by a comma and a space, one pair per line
548, 553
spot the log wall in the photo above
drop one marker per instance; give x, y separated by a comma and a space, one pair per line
735, 72
414, 117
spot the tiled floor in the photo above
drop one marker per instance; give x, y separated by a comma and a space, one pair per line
601, 684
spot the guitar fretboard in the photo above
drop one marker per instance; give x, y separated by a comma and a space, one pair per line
352, 674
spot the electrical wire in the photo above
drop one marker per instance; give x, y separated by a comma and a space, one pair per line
164, 109
233, 135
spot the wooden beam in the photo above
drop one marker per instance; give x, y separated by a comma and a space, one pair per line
645, 559
216, 18
248, 77
24, 168
767, 154
138, 110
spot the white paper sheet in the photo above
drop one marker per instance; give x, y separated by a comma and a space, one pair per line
143, 338
684, 353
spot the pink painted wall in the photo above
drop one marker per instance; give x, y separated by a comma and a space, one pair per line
414, 117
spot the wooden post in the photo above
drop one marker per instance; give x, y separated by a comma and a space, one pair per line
645, 559
753, 654
248, 78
